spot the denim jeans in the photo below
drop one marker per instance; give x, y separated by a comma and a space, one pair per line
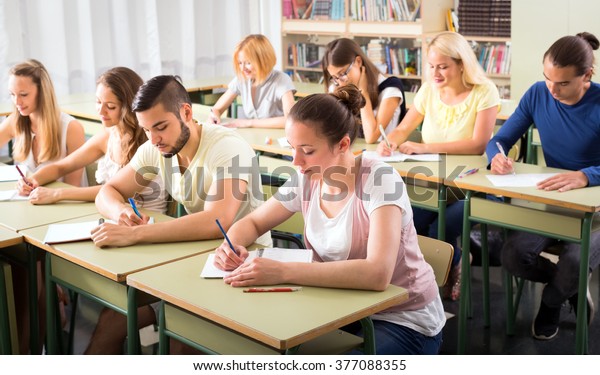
395, 339
521, 257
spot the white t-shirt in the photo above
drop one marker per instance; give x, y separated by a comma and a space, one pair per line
269, 95
222, 154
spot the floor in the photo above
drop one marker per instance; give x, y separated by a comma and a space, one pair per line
481, 340
493, 340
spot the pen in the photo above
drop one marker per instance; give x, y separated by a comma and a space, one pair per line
501, 149
22, 175
100, 221
469, 172
385, 138
212, 110
262, 290
132, 203
226, 237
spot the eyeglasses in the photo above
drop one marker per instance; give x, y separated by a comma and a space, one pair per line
342, 77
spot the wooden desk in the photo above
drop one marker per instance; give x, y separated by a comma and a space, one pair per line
425, 182
8, 325
259, 139
6, 108
100, 273
567, 216
21, 215
199, 88
277, 321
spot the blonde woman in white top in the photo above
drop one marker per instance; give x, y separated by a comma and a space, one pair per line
42, 134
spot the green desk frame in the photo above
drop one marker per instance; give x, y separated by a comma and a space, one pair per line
575, 228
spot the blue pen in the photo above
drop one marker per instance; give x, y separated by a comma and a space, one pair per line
226, 238
132, 203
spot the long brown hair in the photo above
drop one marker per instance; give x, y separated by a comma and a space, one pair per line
124, 83
48, 130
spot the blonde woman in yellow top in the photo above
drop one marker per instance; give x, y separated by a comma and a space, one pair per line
457, 108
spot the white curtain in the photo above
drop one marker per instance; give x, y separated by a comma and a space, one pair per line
77, 40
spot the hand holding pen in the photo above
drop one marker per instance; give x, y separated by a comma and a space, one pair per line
213, 117
501, 164
229, 257
131, 216
385, 147
25, 185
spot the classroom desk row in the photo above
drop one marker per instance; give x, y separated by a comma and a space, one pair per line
106, 275
83, 105
568, 216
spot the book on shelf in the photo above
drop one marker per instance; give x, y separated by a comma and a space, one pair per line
384, 10
300, 7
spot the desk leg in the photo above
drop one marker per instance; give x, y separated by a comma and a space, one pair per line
163, 340
368, 336
133, 337
442, 197
5, 342
34, 323
465, 290
581, 337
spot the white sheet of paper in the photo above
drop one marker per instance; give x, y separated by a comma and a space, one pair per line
9, 173
71, 232
283, 142
279, 254
398, 156
11, 195
518, 180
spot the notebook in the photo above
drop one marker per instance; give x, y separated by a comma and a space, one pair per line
282, 255
12, 195
73, 232
398, 156
9, 173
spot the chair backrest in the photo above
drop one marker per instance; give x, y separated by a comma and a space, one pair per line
90, 172
439, 256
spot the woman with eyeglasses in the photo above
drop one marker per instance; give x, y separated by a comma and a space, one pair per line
345, 63
457, 108
267, 94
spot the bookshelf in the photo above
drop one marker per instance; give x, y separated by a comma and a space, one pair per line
402, 35
487, 25
391, 31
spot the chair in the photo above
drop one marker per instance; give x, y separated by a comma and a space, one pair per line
534, 147
439, 256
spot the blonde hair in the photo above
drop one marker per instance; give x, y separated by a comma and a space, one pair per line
48, 130
456, 47
259, 52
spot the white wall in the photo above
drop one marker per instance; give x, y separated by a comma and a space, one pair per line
77, 40
536, 24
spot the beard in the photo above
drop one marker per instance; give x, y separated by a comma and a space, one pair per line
181, 141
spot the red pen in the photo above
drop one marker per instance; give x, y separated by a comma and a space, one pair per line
262, 290
22, 175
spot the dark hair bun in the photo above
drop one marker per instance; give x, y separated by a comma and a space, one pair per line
590, 38
351, 96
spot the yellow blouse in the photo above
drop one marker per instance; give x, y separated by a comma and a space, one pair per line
448, 123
